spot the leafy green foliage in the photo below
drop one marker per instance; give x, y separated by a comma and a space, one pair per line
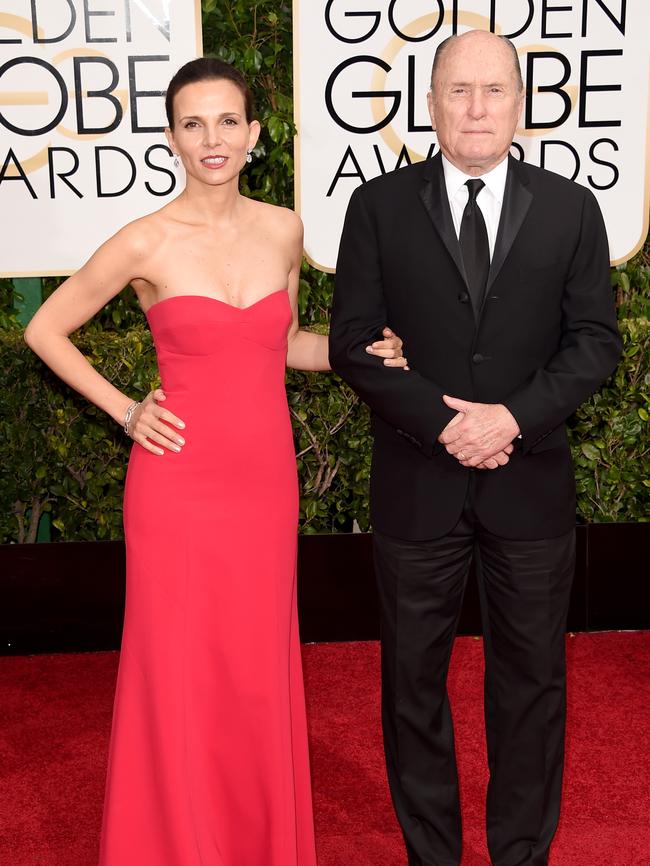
256, 37
67, 458
120, 314
632, 284
333, 444
611, 438
611, 434
8, 296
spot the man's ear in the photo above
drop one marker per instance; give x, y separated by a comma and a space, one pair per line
431, 108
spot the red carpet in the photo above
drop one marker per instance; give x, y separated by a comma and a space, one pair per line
55, 716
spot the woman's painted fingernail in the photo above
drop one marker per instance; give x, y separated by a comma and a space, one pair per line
181, 425
180, 440
175, 448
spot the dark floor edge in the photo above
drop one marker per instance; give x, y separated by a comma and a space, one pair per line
66, 597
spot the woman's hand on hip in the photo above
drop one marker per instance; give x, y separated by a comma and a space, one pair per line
154, 427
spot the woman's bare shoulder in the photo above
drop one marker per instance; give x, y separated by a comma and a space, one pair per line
280, 218
144, 234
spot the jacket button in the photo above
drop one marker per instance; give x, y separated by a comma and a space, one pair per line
463, 297
478, 358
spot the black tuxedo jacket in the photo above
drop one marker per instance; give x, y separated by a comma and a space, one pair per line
542, 342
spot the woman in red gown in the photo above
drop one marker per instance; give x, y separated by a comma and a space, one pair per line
208, 762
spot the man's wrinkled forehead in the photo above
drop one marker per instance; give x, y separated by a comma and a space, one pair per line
463, 59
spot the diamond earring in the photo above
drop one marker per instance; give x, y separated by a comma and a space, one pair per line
176, 161
249, 156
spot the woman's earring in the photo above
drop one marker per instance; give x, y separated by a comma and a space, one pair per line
176, 161
249, 156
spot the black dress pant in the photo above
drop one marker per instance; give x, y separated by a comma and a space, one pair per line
524, 588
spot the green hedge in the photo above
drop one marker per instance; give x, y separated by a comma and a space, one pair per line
66, 457
610, 436
63, 456
69, 459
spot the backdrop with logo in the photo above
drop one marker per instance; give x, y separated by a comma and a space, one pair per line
82, 150
362, 70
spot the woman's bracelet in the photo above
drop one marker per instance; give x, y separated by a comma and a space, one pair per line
128, 415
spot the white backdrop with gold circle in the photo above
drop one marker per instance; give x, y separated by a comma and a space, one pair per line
82, 150
361, 74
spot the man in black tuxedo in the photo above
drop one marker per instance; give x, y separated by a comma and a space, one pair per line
496, 275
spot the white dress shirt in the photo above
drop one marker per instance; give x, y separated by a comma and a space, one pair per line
489, 199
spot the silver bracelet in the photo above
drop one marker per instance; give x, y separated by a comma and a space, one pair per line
128, 415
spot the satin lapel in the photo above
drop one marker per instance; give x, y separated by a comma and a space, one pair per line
434, 197
517, 199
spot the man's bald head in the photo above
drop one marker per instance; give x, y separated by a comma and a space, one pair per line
447, 43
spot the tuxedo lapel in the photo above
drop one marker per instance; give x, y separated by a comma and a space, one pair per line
434, 197
517, 198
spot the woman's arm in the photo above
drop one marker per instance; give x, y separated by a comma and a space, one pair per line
117, 262
308, 351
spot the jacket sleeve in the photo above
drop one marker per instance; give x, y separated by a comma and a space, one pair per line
407, 401
589, 346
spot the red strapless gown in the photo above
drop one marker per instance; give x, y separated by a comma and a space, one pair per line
208, 763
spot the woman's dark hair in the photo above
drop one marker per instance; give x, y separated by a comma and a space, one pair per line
206, 69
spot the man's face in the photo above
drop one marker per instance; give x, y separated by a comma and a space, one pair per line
475, 102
